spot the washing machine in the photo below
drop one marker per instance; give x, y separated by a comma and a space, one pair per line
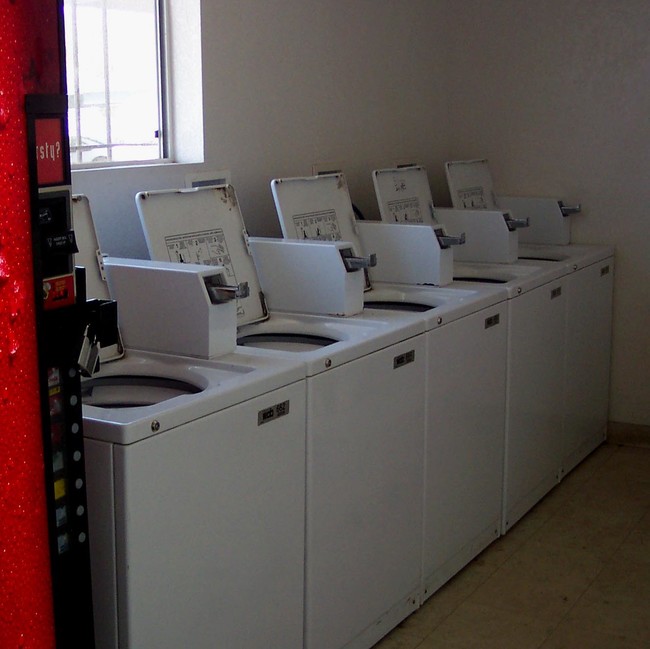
542, 361
590, 284
365, 408
535, 317
589, 277
466, 364
195, 470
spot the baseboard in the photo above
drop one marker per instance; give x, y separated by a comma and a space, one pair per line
628, 434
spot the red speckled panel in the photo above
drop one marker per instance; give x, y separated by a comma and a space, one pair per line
29, 62
41, 63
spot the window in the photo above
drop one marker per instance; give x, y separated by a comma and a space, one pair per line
115, 80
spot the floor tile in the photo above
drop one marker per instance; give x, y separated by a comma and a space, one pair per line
644, 522
474, 626
616, 494
636, 546
633, 457
571, 636
398, 639
586, 526
539, 579
617, 604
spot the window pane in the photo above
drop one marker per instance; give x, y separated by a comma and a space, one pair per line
113, 80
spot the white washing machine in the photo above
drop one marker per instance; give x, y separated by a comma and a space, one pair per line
590, 279
365, 419
590, 284
535, 320
466, 364
588, 355
195, 475
196, 502
537, 296
538, 352
589, 270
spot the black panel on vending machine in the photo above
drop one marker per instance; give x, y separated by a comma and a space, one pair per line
61, 323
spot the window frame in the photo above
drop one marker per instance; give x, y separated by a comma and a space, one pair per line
163, 99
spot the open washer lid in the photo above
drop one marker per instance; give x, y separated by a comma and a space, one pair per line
317, 207
203, 225
470, 185
404, 195
90, 257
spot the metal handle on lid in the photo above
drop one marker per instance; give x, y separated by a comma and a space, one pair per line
219, 294
515, 224
446, 240
567, 210
88, 360
352, 262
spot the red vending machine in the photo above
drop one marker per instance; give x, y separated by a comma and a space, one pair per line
46, 326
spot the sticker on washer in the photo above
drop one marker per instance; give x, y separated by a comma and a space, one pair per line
207, 247
472, 197
405, 210
322, 226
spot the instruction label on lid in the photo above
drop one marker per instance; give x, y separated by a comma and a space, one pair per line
472, 198
321, 226
207, 247
405, 210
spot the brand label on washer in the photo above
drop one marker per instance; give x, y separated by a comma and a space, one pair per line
492, 321
404, 359
273, 412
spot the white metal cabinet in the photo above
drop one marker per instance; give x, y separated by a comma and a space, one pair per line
208, 530
466, 386
535, 397
365, 432
589, 326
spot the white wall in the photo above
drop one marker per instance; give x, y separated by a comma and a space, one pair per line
290, 83
556, 94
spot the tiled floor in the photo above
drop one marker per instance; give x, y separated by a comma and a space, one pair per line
573, 574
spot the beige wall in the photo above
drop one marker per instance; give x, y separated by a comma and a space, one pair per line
293, 83
554, 93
